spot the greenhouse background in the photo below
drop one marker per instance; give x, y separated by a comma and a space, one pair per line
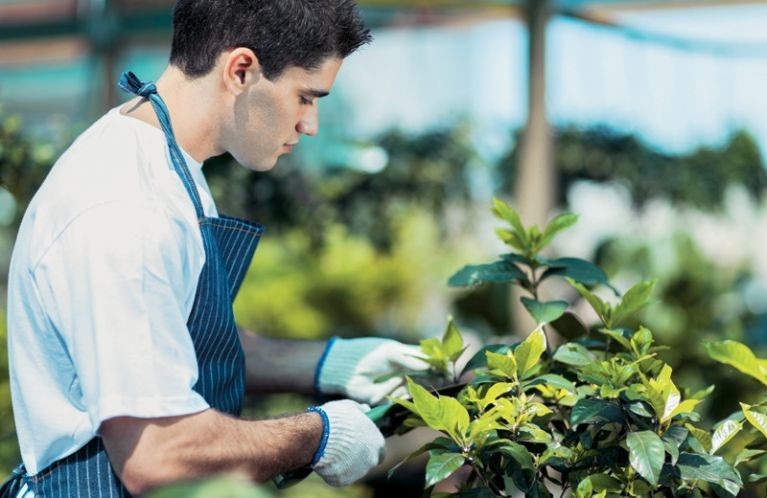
647, 119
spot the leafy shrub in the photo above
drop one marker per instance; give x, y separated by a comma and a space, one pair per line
600, 415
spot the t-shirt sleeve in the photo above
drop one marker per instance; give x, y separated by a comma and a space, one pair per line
118, 284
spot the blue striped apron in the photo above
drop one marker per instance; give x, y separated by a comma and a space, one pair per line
229, 247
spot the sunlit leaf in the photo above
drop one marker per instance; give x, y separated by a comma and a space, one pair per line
740, 356
502, 364
452, 342
558, 224
506, 213
427, 406
646, 454
758, 420
724, 433
529, 352
479, 360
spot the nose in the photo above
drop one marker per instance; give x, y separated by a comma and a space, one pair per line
309, 124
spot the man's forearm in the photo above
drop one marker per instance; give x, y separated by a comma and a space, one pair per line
280, 365
150, 452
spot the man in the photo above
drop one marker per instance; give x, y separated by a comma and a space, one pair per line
127, 369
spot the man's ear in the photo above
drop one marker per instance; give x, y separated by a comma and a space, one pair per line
241, 69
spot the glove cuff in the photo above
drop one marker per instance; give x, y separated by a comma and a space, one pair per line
325, 433
321, 363
346, 434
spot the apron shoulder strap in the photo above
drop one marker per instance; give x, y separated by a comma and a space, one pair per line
130, 83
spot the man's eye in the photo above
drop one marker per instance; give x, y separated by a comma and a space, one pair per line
305, 101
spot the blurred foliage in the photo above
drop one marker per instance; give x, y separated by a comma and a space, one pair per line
697, 179
23, 162
9, 448
347, 286
237, 487
430, 171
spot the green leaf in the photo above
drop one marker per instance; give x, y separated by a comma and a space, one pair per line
618, 336
635, 299
758, 420
646, 454
600, 307
703, 437
552, 380
724, 433
455, 418
494, 392
569, 326
709, 468
533, 434
747, 455
502, 365
545, 311
740, 356
529, 352
518, 453
589, 410
573, 354
475, 275
605, 482
558, 224
580, 270
441, 465
506, 213
452, 342
479, 360
510, 238
427, 406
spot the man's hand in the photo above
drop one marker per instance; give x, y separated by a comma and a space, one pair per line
367, 369
352, 444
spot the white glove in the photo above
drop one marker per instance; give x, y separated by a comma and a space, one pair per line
350, 367
351, 443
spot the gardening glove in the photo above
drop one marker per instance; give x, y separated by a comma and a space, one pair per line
351, 367
351, 443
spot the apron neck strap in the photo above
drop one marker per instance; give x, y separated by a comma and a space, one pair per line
130, 83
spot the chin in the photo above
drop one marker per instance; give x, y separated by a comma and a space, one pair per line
263, 165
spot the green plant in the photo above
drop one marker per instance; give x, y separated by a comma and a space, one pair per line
600, 415
747, 427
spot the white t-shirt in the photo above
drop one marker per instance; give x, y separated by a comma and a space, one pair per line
102, 281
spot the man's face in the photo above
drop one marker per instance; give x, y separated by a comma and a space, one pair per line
271, 116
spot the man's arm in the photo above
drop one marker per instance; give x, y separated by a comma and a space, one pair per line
279, 365
147, 453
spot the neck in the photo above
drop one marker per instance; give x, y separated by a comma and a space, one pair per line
193, 109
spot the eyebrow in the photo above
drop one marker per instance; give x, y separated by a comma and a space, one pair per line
316, 93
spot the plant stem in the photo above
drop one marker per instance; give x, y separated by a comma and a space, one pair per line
493, 489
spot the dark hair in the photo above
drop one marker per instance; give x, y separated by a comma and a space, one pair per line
281, 33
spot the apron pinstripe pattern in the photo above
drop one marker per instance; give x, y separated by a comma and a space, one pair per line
229, 246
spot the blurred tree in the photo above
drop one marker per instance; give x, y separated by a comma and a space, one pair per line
698, 179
